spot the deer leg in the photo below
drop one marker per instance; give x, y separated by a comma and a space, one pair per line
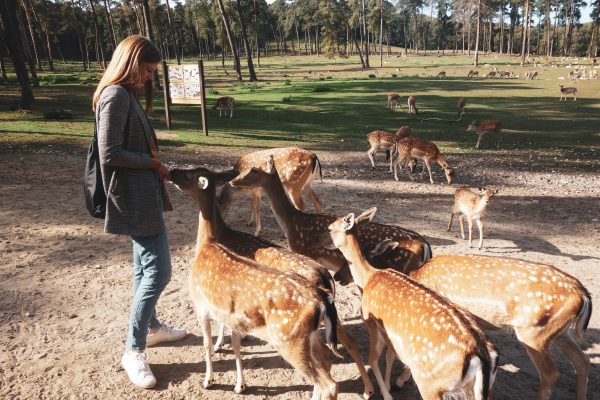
470, 224
428, 164
451, 218
296, 199
220, 338
390, 356
540, 356
461, 219
231, 116
375, 348
204, 322
351, 347
480, 226
370, 153
240, 384
478, 140
310, 192
403, 377
579, 360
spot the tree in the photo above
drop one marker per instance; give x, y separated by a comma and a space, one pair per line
478, 30
236, 57
525, 38
245, 41
8, 13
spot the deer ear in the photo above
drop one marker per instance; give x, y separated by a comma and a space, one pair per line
366, 216
348, 222
203, 182
270, 165
224, 177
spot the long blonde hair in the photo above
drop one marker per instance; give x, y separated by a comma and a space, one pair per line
124, 68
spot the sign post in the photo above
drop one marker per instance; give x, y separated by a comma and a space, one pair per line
184, 84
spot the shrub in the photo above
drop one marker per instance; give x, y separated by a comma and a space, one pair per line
320, 89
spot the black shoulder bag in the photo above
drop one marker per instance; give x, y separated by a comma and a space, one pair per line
93, 187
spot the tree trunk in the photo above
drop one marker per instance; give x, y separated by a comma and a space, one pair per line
381, 35
569, 29
477, 36
246, 45
80, 36
416, 30
45, 26
8, 13
501, 43
236, 58
172, 34
548, 29
525, 40
34, 45
111, 27
365, 35
27, 48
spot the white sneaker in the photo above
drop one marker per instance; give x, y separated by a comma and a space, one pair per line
165, 334
136, 365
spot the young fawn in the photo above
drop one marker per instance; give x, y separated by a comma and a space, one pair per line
442, 346
413, 148
382, 140
564, 91
538, 301
297, 169
393, 100
461, 107
282, 309
412, 105
472, 206
305, 232
225, 103
487, 126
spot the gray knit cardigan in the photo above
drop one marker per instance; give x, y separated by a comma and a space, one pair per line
136, 196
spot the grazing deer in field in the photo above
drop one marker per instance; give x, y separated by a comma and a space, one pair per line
472, 73
538, 301
410, 147
443, 347
282, 309
472, 206
412, 105
491, 74
305, 231
297, 168
393, 100
225, 103
565, 90
441, 75
382, 140
461, 107
487, 126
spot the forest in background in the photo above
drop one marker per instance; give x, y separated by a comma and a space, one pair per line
36, 32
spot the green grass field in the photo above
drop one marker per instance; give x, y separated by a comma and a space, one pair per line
332, 104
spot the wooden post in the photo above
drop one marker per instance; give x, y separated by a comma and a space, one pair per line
202, 97
166, 94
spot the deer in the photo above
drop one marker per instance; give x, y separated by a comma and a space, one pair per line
297, 169
461, 107
443, 347
224, 103
472, 206
565, 90
382, 140
282, 309
304, 231
486, 126
539, 302
412, 105
472, 74
441, 75
413, 148
491, 74
393, 100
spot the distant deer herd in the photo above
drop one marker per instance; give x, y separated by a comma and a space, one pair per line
431, 312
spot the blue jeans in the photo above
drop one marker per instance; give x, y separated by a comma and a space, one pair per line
151, 273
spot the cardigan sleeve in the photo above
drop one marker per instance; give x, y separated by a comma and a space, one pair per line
113, 108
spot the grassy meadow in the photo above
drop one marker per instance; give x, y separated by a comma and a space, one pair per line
320, 103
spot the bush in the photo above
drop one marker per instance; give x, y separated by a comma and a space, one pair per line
54, 79
212, 91
320, 89
287, 99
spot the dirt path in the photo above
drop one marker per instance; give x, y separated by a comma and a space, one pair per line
65, 286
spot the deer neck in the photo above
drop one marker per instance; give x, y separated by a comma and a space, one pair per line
206, 222
481, 204
282, 207
359, 266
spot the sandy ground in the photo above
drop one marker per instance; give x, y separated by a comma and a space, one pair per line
65, 285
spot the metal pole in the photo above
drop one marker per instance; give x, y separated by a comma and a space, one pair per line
202, 97
166, 94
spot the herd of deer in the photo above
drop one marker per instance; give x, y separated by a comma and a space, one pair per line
431, 312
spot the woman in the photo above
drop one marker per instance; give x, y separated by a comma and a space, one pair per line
136, 195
